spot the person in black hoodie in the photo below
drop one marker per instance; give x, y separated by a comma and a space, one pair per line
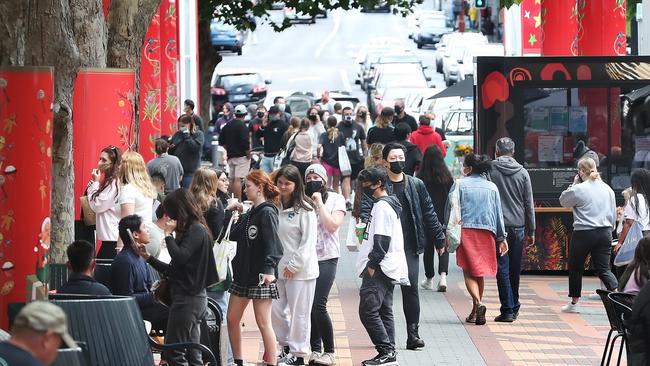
255, 266
272, 130
413, 153
186, 145
191, 271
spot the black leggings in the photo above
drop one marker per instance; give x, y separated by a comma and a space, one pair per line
443, 262
598, 243
321, 324
107, 250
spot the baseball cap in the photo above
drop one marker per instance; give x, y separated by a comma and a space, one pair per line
42, 316
240, 110
317, 169
274, 109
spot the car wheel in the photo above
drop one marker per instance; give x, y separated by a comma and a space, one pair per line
239, 51
448, 82
419, 45
313, 20
439, 68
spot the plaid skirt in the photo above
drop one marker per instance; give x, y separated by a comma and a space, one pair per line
263, 292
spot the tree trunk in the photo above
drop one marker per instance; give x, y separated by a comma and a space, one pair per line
209, 58
128, 21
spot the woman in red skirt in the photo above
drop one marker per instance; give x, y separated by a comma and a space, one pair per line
483, 234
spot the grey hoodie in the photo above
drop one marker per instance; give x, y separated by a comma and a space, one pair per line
516, 193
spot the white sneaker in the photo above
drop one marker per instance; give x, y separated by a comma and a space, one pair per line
442, 285
314, 356
326, 359
571, 308
427, 284
593, 296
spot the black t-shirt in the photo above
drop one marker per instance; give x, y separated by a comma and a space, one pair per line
253, 126
234, 137
273, 135
408, 227
11, 355
408, 119
381, 135
354, 133
330, 153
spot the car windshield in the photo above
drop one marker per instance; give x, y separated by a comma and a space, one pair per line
394, 59
402, 80
433, 23
228, 81
299, 106
221, 27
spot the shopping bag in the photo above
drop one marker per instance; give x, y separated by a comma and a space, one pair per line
344, 162
454, 222
284, 155
626, 252
224, 252
351, 240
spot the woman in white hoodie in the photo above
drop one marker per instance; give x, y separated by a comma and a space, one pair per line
298, 268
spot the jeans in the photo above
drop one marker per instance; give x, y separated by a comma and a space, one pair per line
410, 296
266, 164
443, 262
187, 180
509, 271
321, 324
222, 297
376, 310
183, 326
596, 242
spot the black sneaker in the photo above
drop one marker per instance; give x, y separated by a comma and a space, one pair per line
291, 360
384, 359
504, 318
284, 354
515, 315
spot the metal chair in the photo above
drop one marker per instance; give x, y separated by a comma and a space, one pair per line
58, 275
614, 324
114, 331
103, 272
622, 305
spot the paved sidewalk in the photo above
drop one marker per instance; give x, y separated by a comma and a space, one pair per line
541, 336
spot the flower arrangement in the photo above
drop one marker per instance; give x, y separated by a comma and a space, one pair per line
462, 150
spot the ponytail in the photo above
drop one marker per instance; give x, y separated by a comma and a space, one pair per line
271, 192
588, 166
332, 133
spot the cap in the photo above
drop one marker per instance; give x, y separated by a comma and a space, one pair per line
274, 109
42, 316
317, 169
241, 110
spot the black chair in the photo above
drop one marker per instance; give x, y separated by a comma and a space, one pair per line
58, 275
103, 272
622, 304
114, 331
614, 324
212, 334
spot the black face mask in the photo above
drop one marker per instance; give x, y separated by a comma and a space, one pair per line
369, 191
397, 166
398, 110
313, 187
362, 115
260, 114
313, 117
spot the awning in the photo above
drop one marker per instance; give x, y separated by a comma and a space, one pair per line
463, 89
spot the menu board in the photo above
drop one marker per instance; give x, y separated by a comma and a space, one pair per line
559, 119
538, 119
578, 120
551, 181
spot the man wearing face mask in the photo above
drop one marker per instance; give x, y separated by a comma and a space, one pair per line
355, 135
316, 129
271, 132
420, 227
186, 144
402, 117
285, 110
255, 124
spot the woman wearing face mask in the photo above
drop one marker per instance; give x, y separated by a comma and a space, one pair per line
482, 233
227, 115
315, 129
298, 267
362, 116
302, 152
260, 118
594, 219
330, 212
102, 192
382, 131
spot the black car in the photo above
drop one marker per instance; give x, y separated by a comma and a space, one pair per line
237, 87
430, 31
382, 7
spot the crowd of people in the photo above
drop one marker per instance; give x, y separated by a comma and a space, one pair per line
166, 215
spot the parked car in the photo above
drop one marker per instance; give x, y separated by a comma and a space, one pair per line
381, 7
417, 102
277, 5
413, 20
374, 59
238, 87
459, 127
455, 51
226, 37
394, 76
296, 17
430, 30
441, 47
393, 94
466, 65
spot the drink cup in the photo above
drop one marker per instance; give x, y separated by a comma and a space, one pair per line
360, 230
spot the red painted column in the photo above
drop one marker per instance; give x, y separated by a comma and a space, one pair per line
531, 27
26, 96
604, 25
560, 30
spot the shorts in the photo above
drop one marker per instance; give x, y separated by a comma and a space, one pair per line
331, 171
239, 167
255, 292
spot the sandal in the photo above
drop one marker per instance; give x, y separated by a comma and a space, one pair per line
471, 318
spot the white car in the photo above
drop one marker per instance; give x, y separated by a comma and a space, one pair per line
466, 66
295, 17
413, 20
439, 108
417, 102
454, 52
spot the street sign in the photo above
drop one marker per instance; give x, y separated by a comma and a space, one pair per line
480, 4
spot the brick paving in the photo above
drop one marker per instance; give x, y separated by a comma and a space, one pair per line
541, 336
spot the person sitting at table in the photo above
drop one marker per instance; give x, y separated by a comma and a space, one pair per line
81, 263
130, 275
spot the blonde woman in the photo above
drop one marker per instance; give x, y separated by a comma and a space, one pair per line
136, 192
594, 218
328, 153
382, 131
362, 116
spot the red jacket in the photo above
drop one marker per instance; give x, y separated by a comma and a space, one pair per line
426, 136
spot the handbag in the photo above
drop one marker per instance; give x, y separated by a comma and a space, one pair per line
626, 252
88, 216
284, 155
351, 240
224, 252
344, 162
162, 291
453, 230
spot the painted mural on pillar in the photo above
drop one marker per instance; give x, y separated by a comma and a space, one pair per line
531, 27
26, 96
159, 107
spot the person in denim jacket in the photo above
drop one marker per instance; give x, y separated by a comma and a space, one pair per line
482, 233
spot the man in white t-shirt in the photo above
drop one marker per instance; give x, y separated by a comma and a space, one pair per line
381, 264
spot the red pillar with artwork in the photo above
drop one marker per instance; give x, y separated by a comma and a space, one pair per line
26, 96
560, 31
